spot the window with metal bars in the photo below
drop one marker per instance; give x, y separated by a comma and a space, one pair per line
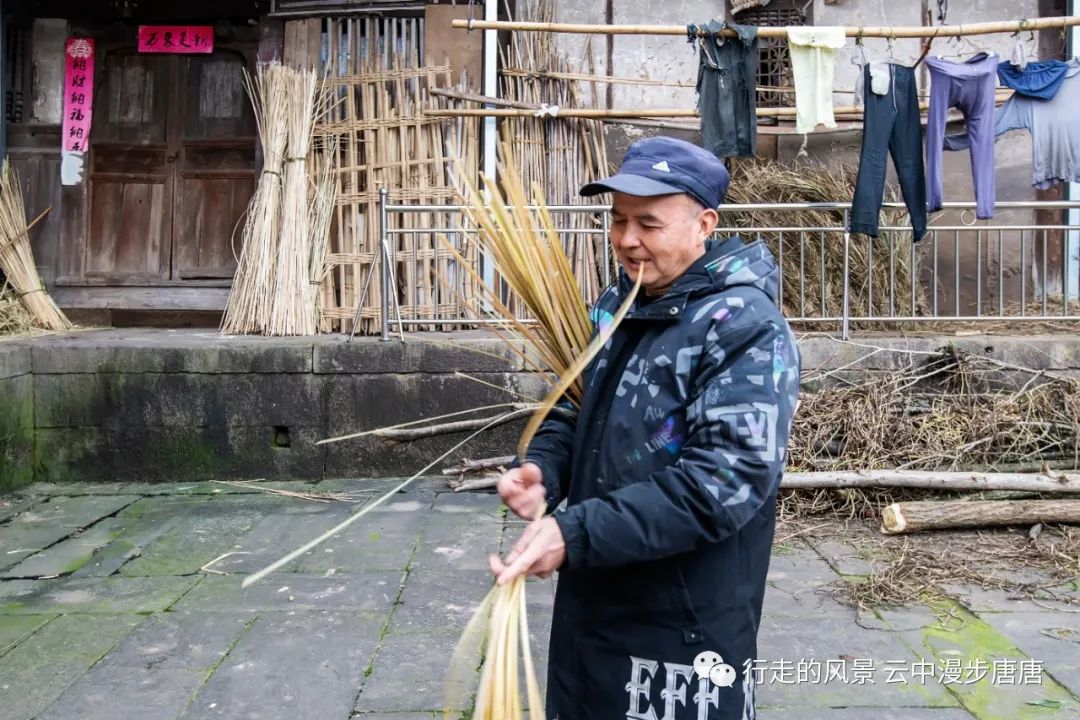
15, 75
774, 62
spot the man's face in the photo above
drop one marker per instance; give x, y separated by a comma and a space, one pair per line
665, 234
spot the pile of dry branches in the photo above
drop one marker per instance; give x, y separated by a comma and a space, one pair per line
943, 411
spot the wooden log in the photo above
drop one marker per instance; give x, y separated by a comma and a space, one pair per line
939, 515
910, 31
932, 480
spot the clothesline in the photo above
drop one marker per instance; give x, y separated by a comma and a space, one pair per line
913, 31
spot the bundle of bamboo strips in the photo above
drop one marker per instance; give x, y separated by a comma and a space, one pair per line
530, 258
292, 298
281, 251
17, 257
248, 307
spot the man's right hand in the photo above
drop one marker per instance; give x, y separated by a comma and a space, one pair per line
522, 490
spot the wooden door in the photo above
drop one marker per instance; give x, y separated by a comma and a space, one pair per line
172, 168
130, 179
215, 167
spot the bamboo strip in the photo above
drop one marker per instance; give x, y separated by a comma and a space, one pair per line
914, 31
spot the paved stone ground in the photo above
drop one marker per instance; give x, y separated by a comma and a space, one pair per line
107, 610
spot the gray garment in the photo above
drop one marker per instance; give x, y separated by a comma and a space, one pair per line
726, 85
1055, 132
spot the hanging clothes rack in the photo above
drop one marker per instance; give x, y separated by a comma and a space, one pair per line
912, 31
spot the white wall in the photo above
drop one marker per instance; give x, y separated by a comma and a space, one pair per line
670, 58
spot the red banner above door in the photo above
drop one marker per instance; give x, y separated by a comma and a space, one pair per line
177, 39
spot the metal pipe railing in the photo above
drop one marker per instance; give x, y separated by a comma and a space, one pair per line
870, 270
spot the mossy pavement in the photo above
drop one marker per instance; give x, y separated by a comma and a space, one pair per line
123, 600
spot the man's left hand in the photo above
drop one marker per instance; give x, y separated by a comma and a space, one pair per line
539, 551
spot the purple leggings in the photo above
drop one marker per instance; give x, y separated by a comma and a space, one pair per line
968, 86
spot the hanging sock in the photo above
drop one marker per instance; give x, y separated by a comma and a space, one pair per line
1055, 133
968, 86
813, 66
1040, 79
890, 125
726, 86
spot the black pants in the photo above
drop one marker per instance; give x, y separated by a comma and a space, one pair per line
891, 124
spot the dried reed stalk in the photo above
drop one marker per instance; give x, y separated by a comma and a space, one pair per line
251, 297
17, 257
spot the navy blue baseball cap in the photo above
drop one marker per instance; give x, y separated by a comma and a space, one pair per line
666, 166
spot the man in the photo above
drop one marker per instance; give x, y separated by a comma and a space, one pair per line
670, 469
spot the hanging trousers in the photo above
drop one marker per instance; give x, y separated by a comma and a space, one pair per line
969, 86
890, 125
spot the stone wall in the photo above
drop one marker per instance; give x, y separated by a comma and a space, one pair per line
16, 417
158, 405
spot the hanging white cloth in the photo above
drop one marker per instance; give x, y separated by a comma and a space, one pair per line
813, 67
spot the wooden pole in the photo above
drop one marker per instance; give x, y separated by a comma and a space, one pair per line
913, 31
602, 113
940, 515
930, 480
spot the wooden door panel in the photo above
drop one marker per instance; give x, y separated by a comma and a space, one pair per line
216, 167
208, 225
130, 185
127, 229
133, 103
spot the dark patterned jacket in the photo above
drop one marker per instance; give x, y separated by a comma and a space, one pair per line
670, 472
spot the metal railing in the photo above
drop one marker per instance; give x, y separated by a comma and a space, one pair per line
1011, 269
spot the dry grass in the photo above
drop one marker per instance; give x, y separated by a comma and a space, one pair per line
906, 569
14, 317
823, 255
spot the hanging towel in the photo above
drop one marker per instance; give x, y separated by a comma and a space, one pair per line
1038, 79
813, 65
1055, 132
727, 93
968, 86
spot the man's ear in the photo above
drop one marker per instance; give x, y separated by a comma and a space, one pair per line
708, 220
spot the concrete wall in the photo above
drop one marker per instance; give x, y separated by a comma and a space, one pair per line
188, 406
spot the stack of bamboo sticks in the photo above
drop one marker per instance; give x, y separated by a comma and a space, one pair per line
272, 292
559, 154
381, 90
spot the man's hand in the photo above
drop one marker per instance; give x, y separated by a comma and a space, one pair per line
539, 551
522, 490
